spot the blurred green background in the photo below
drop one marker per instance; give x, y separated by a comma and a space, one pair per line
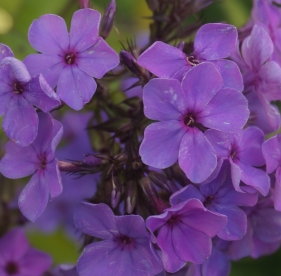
15, 19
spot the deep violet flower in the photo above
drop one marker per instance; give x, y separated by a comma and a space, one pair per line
39, 160
19, 92
219, 196
17, 258
125, 249
184, 233
243, 150
70, 61
184, 110
213, 42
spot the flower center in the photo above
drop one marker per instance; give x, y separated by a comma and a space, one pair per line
208, 200
189, 120
11, 268
192, 60
125, 239
43, 161
18, 88
70, 58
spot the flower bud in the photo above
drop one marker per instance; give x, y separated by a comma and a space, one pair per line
84, 4
153, 4
131, 196
115, 192
107, 20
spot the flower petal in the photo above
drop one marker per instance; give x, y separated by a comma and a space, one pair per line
34, 197
196, 156
200, 84
161, 143
20, 121
49, 35
98, 59
164, 100
75, 87
227, 111
163, 60
5, 51
18, 161
84, 29
95, 220
53, 178
215, 41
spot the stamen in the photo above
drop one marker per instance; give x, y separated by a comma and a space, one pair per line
192, 60
70, 58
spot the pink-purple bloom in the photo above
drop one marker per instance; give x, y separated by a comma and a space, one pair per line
19, 93
184, 233
70, 60
18, 258
125, 246
185, 111
39, 160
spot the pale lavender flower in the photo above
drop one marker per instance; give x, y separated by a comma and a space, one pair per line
125, 249
184, 111
213, 42
184, 233
19, 92
39, 160
17, 258
70, 61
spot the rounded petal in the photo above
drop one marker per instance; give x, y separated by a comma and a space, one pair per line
53, 178
39, 93
164, 100
18, 69
257, 48
20, 121
18, 161
236, 226
95, 220
249, 150
272, 154
75, 87
34, 197
227, 111
196, 156
185, 193
161, 143
215, 41
50, 66
230, 73
200, 84
163, 60
235, 176
5, 51
49, 35
98, 59
84, 29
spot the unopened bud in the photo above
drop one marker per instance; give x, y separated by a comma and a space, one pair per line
107, 20
160, 180
131, 196
153, 4
152, 196
121, 158
116, 192
84, 4
181, 45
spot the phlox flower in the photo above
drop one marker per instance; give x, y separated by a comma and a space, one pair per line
185, 111
39, 160
70, 60
125, 249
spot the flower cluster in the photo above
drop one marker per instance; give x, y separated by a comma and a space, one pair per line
178, 175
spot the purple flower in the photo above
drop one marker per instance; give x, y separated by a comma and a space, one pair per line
125, 249
17, 258
184, 233
219, 196
70, 61
37, 159
184, 111
212, 42
263, 232
19, 92
243, 150
272, 153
